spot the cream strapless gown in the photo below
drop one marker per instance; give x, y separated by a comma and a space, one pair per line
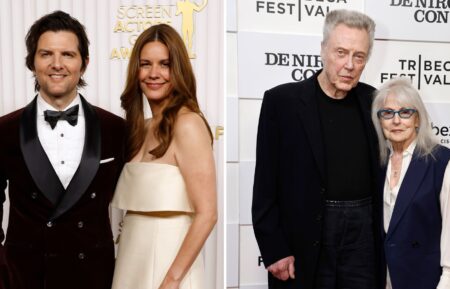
148, 244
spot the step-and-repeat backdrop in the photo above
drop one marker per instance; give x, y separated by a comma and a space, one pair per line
112, 27
276, 41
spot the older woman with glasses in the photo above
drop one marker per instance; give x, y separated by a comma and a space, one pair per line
415, 184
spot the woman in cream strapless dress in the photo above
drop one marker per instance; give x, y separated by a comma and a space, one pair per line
168, 187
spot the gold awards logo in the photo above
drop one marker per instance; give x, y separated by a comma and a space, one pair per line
132, 20
187, 9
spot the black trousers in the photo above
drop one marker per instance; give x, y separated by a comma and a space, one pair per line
347, 256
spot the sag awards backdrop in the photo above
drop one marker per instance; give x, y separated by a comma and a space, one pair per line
270, 42
112, 27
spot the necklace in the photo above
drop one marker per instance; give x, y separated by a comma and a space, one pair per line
396, 165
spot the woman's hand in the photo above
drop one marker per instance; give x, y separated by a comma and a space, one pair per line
169, 284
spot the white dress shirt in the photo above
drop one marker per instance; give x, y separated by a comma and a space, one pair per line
63, 144
390, 196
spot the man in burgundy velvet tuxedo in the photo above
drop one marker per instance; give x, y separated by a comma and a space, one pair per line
60, 158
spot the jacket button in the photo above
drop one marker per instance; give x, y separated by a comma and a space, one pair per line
34, 195
319, 217
316, 243
80, 224
93, 195
322, 190
49, 224
415, 244
81, 256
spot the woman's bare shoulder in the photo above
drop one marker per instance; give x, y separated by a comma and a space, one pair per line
190, 125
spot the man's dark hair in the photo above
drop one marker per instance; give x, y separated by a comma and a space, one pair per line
56, 21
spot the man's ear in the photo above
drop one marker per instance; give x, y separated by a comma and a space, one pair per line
322, 49
87, 63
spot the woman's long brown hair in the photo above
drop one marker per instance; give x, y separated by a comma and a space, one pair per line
182, 93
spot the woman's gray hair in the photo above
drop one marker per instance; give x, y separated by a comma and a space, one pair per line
352, 19
408, 97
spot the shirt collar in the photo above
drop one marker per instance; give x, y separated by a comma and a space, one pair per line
42, 105
409, 150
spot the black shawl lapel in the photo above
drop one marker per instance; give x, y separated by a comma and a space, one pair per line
379, 200
36, 160
410, 184
309, 115
89, 164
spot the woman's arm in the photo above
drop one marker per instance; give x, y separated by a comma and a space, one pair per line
194, 156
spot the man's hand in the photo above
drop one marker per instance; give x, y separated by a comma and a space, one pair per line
283, 269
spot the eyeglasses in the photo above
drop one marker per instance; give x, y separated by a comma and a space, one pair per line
404, 113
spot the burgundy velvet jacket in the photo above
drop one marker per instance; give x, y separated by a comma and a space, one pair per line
58, 238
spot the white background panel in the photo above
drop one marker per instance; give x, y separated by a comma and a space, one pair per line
289, 16
231, 15
232, 255
232, 129
233, 193
410, 19
232, 100
246, 175
266, 60
261, 286
440, 119
231, 64
252, 271
427, 64
5, 220
249, 110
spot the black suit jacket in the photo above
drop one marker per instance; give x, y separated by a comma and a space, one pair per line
289, 188
58, 238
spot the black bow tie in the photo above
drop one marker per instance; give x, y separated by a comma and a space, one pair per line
71, 115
